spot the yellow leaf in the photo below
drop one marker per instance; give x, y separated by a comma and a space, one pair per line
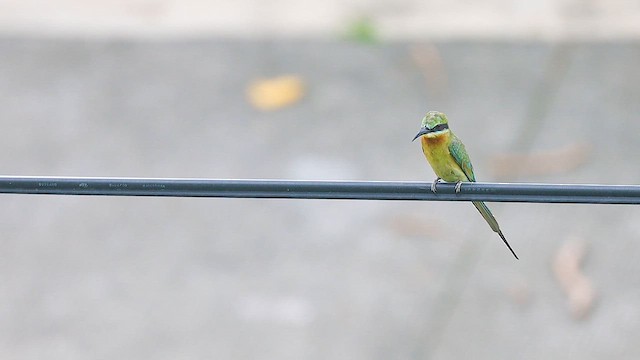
275, 93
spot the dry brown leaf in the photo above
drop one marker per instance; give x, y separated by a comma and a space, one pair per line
520, 294
275, 93
410, 225
576, 286
553, 161
428, 60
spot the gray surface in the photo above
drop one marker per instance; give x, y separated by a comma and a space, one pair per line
85, 278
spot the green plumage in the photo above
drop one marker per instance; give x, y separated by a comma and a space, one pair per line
459, 154
450, 161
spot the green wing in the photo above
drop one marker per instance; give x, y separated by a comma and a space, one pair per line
459, 153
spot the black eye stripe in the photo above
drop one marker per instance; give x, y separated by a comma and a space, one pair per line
439, 127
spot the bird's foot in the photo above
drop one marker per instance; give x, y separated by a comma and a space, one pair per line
434, 184
458, 187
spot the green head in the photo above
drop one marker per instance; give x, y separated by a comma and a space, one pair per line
433, 122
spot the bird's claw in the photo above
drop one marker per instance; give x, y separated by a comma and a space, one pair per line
458, 187
434, 184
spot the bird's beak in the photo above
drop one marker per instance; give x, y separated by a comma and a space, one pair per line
423, 131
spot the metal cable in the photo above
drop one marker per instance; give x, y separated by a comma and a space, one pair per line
291, 189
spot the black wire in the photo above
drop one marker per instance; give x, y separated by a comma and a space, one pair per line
288, 189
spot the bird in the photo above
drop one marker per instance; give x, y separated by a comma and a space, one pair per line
449, 160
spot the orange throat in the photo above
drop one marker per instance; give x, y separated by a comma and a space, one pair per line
434, 140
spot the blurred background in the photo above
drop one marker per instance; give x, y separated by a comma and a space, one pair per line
545, 91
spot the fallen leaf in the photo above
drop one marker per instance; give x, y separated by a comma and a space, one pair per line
275, 93
410, 225
553, 161
520, 294
428, 60
576, 286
